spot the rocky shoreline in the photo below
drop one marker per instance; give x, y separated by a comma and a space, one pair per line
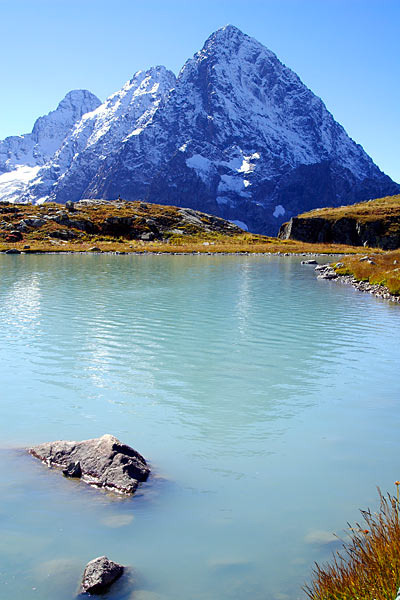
168, 253
328, 272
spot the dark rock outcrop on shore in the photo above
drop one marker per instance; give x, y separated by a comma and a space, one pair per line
99, 574
103, 462
380, 233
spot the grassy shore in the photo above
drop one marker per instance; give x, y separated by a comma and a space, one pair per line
202, 243
379, 268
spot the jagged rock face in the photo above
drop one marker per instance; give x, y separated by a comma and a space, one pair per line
239, 135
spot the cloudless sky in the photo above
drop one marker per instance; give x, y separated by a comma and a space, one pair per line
346, 51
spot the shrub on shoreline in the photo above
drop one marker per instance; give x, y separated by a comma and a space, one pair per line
368, 566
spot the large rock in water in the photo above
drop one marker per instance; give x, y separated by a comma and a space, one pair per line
99, 573
103, 462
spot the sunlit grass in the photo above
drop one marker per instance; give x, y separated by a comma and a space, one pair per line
368, 566
383, 268
373, 210
202, 243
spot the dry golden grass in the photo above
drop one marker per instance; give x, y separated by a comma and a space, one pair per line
368, 567
206, 243
373, 210
178, 237
382, 269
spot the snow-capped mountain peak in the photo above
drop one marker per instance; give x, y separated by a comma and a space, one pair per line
36, 148
99, 134
21, 156
237, 134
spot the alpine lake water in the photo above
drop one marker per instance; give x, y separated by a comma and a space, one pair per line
266, 401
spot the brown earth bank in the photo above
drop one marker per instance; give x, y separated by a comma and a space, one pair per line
131, 227
375, 223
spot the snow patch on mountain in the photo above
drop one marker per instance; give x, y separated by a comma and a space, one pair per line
201, 165
13, 183
279, 211
240, 224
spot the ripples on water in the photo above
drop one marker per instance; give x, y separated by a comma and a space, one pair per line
267, 402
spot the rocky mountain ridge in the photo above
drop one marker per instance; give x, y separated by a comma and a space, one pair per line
237, 134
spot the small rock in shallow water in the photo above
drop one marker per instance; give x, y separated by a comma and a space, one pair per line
99, 574
312, 261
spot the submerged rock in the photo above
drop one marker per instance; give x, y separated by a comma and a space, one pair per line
103, 462
99, 574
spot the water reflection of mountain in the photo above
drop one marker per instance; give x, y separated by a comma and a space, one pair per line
226, 346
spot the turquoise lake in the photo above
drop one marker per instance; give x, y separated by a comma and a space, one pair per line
266, 401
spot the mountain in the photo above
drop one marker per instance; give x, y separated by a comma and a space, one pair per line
21, 156
100, 135
237, 134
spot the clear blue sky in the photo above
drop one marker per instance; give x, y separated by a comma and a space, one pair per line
346, 51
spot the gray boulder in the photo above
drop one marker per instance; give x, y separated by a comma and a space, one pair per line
99, 574
326, 272
104, 462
